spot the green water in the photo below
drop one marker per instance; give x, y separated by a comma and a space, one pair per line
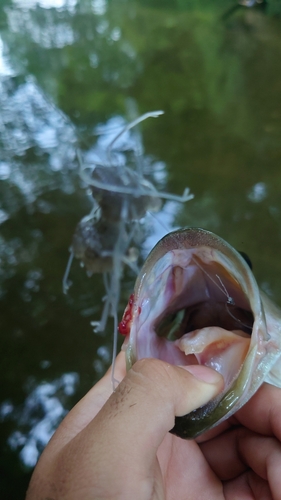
68, 69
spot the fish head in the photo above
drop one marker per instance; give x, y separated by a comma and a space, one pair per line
196, 301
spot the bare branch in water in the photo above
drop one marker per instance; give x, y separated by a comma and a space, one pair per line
105, 239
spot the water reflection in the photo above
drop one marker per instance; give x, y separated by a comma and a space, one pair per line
48, 32
37, 420
30, 123
102, 360
68, 71
99, 7
258, 192
46, 4
5, 68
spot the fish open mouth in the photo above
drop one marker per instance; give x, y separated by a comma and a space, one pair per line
196, 301
199, 314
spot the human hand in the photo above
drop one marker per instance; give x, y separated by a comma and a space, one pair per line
120, 447
247, 456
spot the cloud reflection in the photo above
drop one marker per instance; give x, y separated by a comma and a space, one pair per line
99, 7
30, 123
46, 4
5, 68
49, 33
41, 414
258, 192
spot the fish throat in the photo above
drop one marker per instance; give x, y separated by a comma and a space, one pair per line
211, 311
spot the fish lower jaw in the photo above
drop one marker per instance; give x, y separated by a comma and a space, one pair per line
217, 348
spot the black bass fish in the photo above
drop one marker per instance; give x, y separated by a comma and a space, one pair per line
196, 301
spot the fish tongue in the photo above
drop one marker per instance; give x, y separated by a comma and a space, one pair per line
220, 349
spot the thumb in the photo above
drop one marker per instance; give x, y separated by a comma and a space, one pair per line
119, 445
156, 392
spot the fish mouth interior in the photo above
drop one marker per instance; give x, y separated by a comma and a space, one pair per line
207, 320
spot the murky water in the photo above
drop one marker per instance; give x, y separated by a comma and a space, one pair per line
71, 74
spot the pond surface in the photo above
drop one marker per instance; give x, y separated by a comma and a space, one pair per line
72, 74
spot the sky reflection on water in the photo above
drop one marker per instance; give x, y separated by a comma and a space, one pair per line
41, 414
47, 4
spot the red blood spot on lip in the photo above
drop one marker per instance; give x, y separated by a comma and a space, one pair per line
125, 324
122, 327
